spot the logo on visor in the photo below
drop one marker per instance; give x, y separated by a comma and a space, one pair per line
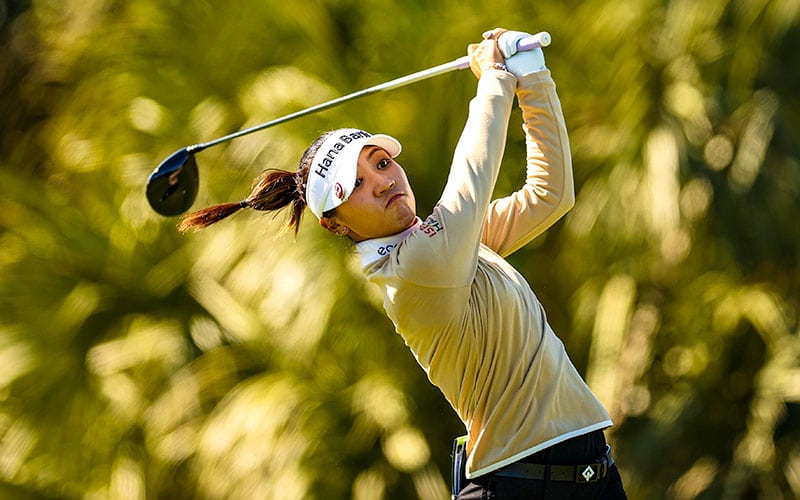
338, 190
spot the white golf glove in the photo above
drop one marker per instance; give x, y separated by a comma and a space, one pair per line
519, 63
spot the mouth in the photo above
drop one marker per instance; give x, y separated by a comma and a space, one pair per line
392, 199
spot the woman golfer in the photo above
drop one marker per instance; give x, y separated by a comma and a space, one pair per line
534, 428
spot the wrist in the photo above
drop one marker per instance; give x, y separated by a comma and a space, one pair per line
496, 65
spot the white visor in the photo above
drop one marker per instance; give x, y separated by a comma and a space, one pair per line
332, 175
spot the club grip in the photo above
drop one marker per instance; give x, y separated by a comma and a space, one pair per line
539, 40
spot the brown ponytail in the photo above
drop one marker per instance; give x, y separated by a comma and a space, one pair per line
274, 190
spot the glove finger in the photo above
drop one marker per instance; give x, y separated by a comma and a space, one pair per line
507, 42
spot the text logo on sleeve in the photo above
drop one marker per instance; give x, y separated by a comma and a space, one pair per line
431, 226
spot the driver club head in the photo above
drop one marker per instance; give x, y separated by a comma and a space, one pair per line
173, 185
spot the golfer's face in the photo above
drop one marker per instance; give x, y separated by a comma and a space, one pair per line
382, 203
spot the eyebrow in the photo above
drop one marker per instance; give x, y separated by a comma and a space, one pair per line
372, 151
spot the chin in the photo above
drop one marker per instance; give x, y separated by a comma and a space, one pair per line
406, 217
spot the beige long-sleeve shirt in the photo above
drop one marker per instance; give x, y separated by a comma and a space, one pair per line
471, 320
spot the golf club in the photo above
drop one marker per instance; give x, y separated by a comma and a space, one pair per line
172, 186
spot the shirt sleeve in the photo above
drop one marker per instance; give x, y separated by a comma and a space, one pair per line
548, 192
443, 252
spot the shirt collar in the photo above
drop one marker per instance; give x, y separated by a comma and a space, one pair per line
375, 249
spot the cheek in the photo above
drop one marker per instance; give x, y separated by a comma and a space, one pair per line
354, 211
412, 199
406, 182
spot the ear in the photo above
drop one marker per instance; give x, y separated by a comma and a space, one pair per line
333, 226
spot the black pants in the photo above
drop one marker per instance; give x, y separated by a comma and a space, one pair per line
578, 450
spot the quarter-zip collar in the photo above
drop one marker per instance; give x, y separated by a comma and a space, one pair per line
375, 249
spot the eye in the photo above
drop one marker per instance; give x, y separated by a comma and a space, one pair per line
384, 163
358, 182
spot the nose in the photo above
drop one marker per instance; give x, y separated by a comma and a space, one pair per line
385, 186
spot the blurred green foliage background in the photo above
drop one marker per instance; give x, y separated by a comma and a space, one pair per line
240, 364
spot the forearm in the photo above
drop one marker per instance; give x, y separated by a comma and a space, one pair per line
549, 159
477, 157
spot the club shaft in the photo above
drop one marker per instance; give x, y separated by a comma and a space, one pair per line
538, 40
397, 82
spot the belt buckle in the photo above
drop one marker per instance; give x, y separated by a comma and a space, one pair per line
591, 473
588, 473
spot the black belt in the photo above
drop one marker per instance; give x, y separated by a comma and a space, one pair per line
584, 473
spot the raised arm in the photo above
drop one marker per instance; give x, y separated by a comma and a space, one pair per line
548, 192
450, 237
